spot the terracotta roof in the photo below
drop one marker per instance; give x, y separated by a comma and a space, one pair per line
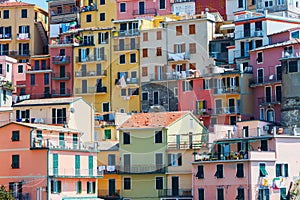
6, 4
50, 101
152, 120
44, 127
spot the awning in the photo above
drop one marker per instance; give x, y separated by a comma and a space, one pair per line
227, 27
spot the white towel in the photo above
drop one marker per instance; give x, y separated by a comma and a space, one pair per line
54, 30
111, 168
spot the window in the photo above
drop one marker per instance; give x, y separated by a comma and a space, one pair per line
268, 3
59, 116
200, 172
175, 159
192, 29
220, 193
240, 194
278, 93
283, 194
282, 170
127, 183
162, 4
111, 160
145, 96
259, 58
293, 66
88, 18
158, 137
258, 43
123, 92
102, 17
103, 38
107, 134
200, 193
263, 194
1, 69
145, 36
15, 164
192, 48
159, 182
187, 85
55, 186
91, 187
145, 53
240, 3
261, 114
6, 14
77, 165
295, 34
102, 2
122, 7
219, 172
158, 35
32, 79
178, 30
15, 136
144, 71
262, 170
158, 51
264, 145
122, 59
132, 58
78, 187
240, 170
24, 13
201, 107
23, 115
46, 79
126, 138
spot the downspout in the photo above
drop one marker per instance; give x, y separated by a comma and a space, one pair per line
110, 71
48, 179
167, 65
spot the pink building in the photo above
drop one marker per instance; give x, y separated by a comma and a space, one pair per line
47, 162
257, 161
142, 9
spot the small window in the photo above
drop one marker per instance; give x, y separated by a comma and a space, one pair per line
127, 183
192, 29
178, 30
123, 92
159, 183
145, 53
175, 159
126, 138
20, 68
240, 194
220, 193
133, 58
55, 186
158, 51
46, 79
102, 2
282, 170
15, 164
240, 170
107, 134
219, 172
200, 172
6, 14
293, 66
89, 18
122, 59
15, 136
264, 145
122, 7
158, 136
262, 170
145, 36
200, 193
145, 96
78, 187
192, 48
32, 79
158, 35
24, 13
259, 58
91, 187
102, 17
162, 4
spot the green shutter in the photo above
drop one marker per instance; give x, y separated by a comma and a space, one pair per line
267, 191
286, 170
52, 186
200, 193
77, 165
79, 188
39, 134
260, 194
15, 161
278, 169
107, 134
15, 136
59, 186
282, 193
55, 164
88, 187
91, 165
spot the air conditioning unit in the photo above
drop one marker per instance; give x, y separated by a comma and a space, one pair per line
266, 128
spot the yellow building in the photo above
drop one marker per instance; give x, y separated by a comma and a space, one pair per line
23, 30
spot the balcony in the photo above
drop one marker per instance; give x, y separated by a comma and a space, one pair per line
20, 84
143, 169
86, 43
219, 55
72, 172
61, 93
124, 33
89, 8
23, 36
61, 76
62, 43
109, 169
90, 59
290, 55
174, 75
264, 80
101, 90
5, 37
109, 195
91, 90
262, 101
183, 1
127, 47
185, 145
249, 34
91, 73
178, 56
175, 193
64, 15
150, 11
38, 69
23, 53
60, 60
129, 81
227, 90
225, 110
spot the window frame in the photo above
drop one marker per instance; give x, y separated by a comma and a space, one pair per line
15, 137
129, 138
122, 7
15, 161
240, 170
127, 181
162, 182
158, 139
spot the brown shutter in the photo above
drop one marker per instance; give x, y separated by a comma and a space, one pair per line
156, 72
165, 72
174, 67
175, 48
183, 67
183, 47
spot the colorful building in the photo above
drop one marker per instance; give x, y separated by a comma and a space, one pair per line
66, 166
249, 162
155, 150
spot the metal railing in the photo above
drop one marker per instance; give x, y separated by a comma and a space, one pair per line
71, 11
72, 172
23, 36
265, 79
61, 92
185, 145
89, 8
175, 193
19, 53
226, 110
60, 59
111, 194
5, 36
179, 56
90, 58
137, 169
128, 81
90, 73
250, 33
150, 11
61, 76
91, 90
269, 100
122, 33
226, 90
289, 54
126, 47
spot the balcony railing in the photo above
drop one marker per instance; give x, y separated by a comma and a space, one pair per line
269, 100
71, 11
61, 76
87, 43
249, 34
225, 110
109, 194
89, 8
91, 73
38, 68
61, 93
175, 193
290, 55
264, 80
19, 53
60, 60
174, 75
5, 36
21, 84
109, 169
56, 42
91, 90
185, 145
178, 56
219, 55
127, 47
123, 33
90, 59
23, 36
227, 90
150, 11
128, 81
142, 169
72, 172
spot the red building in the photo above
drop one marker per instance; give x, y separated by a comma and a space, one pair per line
212, 6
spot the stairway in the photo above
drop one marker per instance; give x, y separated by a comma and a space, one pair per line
42, 33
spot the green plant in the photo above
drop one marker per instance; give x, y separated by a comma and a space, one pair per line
4, 194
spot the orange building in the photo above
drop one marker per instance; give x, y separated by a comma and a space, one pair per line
47, 162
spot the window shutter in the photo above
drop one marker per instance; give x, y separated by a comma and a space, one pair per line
278, 166
106, 37
165, 72
52, 186
99, 38
174, 67
183, 48
179, 155
191, 84
174, 48
267, 191
156, 72
88, 187
183, 66
237, 81
79, 55
204, 86
59, 186
94, 187
286, 170
169, 159
183, 85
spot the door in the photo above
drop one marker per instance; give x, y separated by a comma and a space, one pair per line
278, 93
247, 30
127, 162
111, 187
159, 162
232, 120
132, 43
83, 70
219, 106
84, 86
62, 88
99, 84
268, 94
62, 71
231, 105
141, 7
260, 76
155, 97
175, 185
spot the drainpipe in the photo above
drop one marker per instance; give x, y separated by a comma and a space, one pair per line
110, 70
48, 178
168, 96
